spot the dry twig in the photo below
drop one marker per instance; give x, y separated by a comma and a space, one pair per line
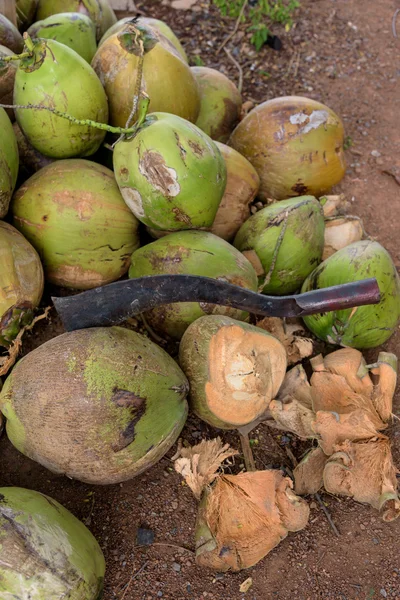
230, 36
327, 514
237, 65
134, 576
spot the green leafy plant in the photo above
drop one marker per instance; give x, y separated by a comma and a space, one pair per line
259, 15
197, 61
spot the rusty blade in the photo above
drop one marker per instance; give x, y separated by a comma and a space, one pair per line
114, 303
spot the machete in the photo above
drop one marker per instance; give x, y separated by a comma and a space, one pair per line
114, 303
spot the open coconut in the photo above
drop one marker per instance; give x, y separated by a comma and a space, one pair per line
191, 253
241, 518
165, 77
295, 144
220, 103
8, 71
44, 78
45, 552
365, 326
21, 282
155, 23
284, 243
9, 162
242, 183
120, 404
10, 37
74, 215
158, 171
99, 11
75, 30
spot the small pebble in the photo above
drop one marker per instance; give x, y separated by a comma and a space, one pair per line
375, 153
176, 567
159, 594
383, 593
375, 541
362, 527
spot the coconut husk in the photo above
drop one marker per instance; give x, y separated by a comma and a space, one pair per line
340, 232
334, 205
241, 517
309, 473
365, 471
291, 336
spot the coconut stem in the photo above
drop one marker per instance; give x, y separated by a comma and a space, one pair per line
143, 106
15, 57
247, 452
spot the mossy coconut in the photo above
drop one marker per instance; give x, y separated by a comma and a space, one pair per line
21, 282
284, 242
44, 79
171, 174
191, 253
75, 30
74, 215
10, 37
9, 162
220, 103
46, 552
295, 144
242, 183
99, 11
234, 370
8, 71
155, 23
26, 10
166, 78
120, 404
364, 326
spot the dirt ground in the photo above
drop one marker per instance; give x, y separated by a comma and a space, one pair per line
342, 53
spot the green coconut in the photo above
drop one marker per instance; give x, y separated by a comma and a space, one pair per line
8, 71
21, 282
191, 253
9, 162
74, 215
10, 36
30, 159
99, 11
155, 23
45, 552
45, 79
234, 370
75, 30
284, 242
171, 174
364, 326
26, 10
220, 103
120, 404
165, 77
295, 144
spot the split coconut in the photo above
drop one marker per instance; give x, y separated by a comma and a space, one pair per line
241, 518
74, 215
284, 243
191, 253
364, 326
118, 408
295, 144
21, 282
45, 552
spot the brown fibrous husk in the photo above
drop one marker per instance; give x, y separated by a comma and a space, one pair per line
241, 517
291, 335
340, 232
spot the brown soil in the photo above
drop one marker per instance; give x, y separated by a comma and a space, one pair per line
342, 53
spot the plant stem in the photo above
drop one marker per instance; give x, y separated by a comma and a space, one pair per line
247, 452
15, 57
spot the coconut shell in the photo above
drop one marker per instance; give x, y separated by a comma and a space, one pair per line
365, 326
74, 215
155, 24
8, 71
158, 172
242, 183
75, 30
234, 370
164, 72
9, 162
191, 253
295, 144
45, 79
120, 404
10, 37
220, 103
45, 552
99, 11
284, 242
21, 282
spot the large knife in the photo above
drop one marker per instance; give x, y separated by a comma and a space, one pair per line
114, 303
